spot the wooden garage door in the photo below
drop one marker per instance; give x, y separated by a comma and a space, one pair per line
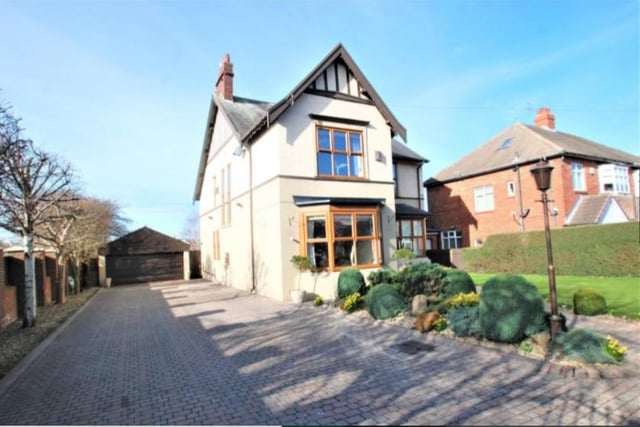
145, 268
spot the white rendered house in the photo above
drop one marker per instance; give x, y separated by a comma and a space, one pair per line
320, 173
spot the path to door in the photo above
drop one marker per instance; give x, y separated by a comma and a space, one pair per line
199, 353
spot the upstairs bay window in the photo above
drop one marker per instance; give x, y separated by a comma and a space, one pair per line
340, 238
340, 153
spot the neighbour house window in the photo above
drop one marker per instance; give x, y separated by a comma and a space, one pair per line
483, 197
577, 177
341, 238
225, 184
411, 235
614, 178
340, 153
511, 189
451, 239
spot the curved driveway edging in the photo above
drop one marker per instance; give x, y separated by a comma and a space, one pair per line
196, 353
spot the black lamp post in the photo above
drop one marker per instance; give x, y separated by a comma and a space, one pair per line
541, 172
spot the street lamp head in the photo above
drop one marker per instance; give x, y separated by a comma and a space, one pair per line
541, 172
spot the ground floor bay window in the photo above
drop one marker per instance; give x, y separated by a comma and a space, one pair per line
338, 237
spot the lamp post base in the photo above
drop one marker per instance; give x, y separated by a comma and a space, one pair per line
555, 325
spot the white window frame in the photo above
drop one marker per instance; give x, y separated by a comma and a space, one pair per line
511, 189
577, 177
483, 198
615, 175
451, 236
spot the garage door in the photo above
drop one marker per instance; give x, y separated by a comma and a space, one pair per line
145, 268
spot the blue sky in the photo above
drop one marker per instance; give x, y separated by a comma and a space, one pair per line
121, 89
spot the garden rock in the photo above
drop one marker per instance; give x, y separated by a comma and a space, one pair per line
419, 304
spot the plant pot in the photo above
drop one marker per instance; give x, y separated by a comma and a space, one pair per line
297, 296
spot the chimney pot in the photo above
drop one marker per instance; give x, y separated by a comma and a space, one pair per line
545, 119
224, 84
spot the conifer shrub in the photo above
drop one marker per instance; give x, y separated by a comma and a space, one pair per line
584, 345
350, 281
464, 321
510, 309
384, 275
458, 281
384, 302
589, 302
421, 278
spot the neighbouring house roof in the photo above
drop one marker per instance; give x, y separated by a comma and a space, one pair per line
401, 151
591, 209
144, 240
249, 117
408, 211
521, 144
311, 201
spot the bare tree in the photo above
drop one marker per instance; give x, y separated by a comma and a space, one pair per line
31, 182
99, 221
191, 231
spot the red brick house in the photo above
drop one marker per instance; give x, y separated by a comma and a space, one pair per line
491, 189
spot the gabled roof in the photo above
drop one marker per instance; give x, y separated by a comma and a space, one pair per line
520, 144
249, 117
591, 209
401, 151
144, 240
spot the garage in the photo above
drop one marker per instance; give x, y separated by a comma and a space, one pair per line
146, 255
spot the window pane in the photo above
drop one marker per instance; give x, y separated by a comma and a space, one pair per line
365, 253
356, 145
342, 226
405, 228
356, 166
417, 228
339, 141
342, 253
318, 254
324, 139
316, 227
324, 163
365, 225
340, 162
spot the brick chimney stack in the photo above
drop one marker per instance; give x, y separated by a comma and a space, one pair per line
224, 85
545, 119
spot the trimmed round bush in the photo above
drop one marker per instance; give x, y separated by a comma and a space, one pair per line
421, 278
385, 275
464, 321
510, 309
589, 302
458, 281
384, 302
350, 281
584, 345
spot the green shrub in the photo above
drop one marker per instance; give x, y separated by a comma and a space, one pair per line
385, 275
350, 281
584, 345
352, 302
458, 281
510, 309
589, 302
384, 302
421, 278
464, 321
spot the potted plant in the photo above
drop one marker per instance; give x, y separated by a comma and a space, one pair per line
301, 263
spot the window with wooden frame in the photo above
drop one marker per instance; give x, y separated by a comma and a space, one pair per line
340, 152
341, 237
411, 235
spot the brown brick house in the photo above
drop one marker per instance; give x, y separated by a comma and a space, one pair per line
491, 189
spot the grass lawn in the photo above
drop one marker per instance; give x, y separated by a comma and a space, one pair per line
622, 294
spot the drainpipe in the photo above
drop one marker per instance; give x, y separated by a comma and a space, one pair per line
253, 261
521, 215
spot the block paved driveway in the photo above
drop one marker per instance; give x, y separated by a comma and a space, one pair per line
199, 353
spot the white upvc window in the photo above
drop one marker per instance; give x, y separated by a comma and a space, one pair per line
511, 189
614, 178
451, 239
577, 177
483, 197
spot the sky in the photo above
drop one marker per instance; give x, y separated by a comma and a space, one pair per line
121, 89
